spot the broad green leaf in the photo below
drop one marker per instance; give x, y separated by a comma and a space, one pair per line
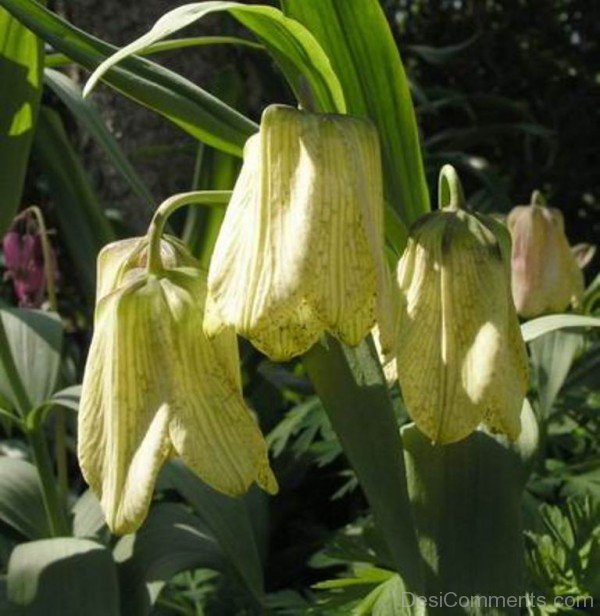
542, 325
228, 519
352, 388
552, 356
467, 504
35, 340
170, 541
176, 98
21, 60
21, 501
298, 54
88, 519
356, 36
87, 115
82, 223
63, 577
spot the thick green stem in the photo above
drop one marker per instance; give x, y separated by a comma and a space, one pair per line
52, 502
166, 208
467, 501
351, 386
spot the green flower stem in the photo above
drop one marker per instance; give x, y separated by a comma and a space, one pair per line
56, 514
450, 192
60, 447
52, 501
351, 386
170, 205
49, 271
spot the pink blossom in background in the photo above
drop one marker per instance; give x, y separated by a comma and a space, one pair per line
24, 263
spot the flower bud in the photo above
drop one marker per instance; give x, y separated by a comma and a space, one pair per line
460, 358
155, 386
300, 251
545, 274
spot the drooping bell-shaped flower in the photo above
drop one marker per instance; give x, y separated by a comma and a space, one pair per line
460, 358
545, 274
300, 251
24, 261
155, 386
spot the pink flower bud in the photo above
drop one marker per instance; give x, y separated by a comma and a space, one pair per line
545, 274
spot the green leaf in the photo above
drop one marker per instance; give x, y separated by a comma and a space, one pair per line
67, 398
35, 341
56, 59
63, 577
176, 98
88, 519
542, 325
170, 541
352, 388
82, 223
298, 54
228, 519
21, 60
467, 505
552, 356
356, 36
21, 501
87, 115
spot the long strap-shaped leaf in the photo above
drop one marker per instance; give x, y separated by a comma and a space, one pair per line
20, 77
195, 111
357, 38
85, 113
83, 225
298, 53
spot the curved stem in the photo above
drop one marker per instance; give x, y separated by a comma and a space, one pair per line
49, 271
450, 191
166, 208
537, 198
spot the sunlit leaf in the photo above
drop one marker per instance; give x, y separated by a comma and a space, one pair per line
63, 577
176, 98
357, 38
21, 62
542, 325
294, 48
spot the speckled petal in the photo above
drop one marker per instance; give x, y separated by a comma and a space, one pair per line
124, 418
211, 428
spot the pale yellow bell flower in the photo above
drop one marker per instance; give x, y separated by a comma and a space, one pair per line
155, 386
460, 358
545, 274
301, 248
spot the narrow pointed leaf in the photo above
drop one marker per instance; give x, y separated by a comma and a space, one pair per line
538, 327
82, 223
87, 115
298, 54
357, 38
192, 109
